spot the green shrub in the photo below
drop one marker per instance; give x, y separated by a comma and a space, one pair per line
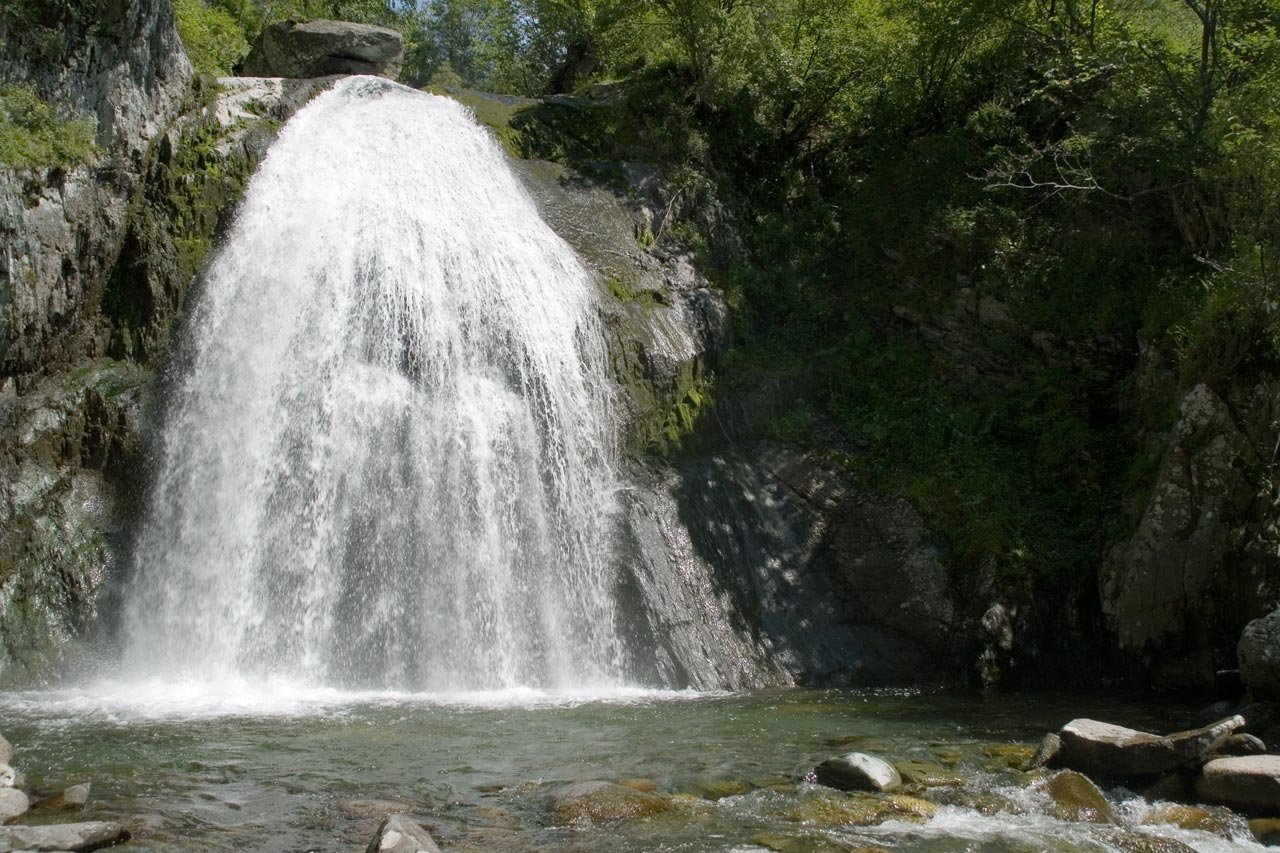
214, 40
34, 136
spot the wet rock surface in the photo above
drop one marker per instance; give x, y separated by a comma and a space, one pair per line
602, 803
1259, 655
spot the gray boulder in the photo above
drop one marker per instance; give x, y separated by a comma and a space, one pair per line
321, 48
398, 834
13, 804
8, 776
1239, 744
90, 835
1110, 751
1249, 783
858, 771
1259, 655
6, 751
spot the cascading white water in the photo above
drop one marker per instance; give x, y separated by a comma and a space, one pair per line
388, 460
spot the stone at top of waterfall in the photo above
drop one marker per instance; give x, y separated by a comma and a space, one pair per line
857, 771
398, 834
1249, 783
89, 835
1111, 751
1259, 655
321, 48
13, 804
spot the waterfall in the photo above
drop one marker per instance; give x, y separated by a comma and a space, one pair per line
387, 458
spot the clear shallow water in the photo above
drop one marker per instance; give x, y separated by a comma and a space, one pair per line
239, 768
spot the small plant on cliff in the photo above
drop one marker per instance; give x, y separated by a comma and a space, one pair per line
34, 136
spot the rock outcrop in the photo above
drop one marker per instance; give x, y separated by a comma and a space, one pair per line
321, 48
1259, 656
1202, 562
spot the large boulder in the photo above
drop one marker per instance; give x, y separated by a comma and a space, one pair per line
858, 771
1259, 655
90, 835
1111, 751
398, 834
321, 48
1248, 783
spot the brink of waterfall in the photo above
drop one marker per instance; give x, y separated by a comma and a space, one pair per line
387, 456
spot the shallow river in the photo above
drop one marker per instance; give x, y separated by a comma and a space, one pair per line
300, 770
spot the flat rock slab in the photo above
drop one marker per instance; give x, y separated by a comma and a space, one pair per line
858, 771
13, 804
78, 837
398, 834
1110, 751
1250, 783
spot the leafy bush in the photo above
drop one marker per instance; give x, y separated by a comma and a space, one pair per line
215, 41
34, 136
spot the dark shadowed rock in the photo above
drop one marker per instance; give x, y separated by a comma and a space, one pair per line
1259, 654
90, 835
858, 771
398, 834
1239, 744
1248, 783
1103, 749
1047, 753
13, 804
1266, 830
320, 48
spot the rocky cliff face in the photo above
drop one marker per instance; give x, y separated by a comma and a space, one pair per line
1205, 557
95, 263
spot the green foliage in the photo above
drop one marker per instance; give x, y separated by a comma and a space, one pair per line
34, 136
215, 41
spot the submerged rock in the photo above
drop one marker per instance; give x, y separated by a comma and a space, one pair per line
1266, 830
602, 802
1107, 750
13, 804
1075, 798
1187, 817
77, 837
72, 798
1127, 841
858, 771
400, 835
1259, 655
321, 48
916, 772
1249, 783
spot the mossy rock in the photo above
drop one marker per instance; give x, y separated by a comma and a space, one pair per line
1075, 798
1266, 830
830, 810
587, 803
926, 773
